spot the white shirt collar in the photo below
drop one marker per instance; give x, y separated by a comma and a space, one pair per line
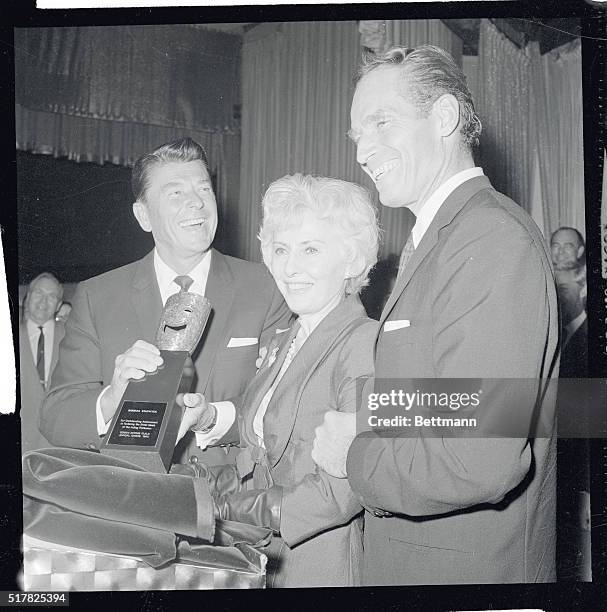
436, 200
32, 327
574, 325
165, 276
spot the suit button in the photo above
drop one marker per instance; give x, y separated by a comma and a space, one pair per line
193, 459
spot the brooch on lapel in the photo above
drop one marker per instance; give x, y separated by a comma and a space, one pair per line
263, 353
272, 357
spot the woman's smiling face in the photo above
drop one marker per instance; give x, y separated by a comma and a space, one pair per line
309, 263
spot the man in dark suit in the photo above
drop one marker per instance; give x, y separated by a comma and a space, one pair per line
39, 338
568, 251
573, 482
474, 298
574, 321
111, 329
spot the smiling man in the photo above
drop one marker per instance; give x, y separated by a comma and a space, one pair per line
111, 329
474, 298
39, 338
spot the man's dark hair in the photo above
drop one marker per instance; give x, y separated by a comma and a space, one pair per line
429, 72
181, 150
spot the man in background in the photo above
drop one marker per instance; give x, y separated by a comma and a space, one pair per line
474, 298
39, 338
568, 257
112, 326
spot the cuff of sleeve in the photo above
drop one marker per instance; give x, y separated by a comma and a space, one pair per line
102, 426
205, 510
226, 415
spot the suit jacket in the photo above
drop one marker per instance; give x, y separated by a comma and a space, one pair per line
321, 541
32, 392
111, 311
574, 355
480, 298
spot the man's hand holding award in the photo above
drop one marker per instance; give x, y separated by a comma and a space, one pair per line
146, 422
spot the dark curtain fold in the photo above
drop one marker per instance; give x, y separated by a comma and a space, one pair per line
172, 76
111, 94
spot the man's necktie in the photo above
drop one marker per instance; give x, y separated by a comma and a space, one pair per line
405, 256
40, 356
184, 281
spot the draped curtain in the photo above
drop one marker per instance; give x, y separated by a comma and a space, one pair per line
413, 33
175, 76
532, 141
558, 121
111, 94
503, 105
296, 95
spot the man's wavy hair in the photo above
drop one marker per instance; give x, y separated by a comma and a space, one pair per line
181, 150
346, 205
429, 72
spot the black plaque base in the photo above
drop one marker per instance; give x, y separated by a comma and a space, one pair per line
145, 426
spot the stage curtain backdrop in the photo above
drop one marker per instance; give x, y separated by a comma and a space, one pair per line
296, 95
558, 131
175, 76
532, 141
504, 108
110, 94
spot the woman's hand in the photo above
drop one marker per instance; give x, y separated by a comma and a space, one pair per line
198, 413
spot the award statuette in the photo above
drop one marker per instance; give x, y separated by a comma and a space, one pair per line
145, 426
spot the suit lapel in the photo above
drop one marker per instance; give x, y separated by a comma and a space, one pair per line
220, 292
264, 379
26, 358
284, 406
445, 215
145, 297
57, 337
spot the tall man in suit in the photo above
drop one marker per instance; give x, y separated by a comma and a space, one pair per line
475, 297
111, 329
39, 338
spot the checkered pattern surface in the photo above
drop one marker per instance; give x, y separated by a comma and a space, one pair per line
50, 568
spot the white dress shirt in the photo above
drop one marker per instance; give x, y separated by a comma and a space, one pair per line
33, 333
165, 277
226, 412
437, 199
